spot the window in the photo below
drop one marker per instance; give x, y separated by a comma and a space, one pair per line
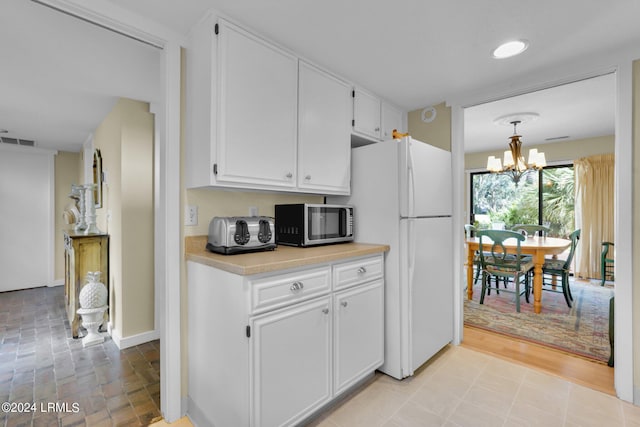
542, 197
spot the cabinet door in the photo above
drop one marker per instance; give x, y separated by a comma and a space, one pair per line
324, 141
257, 131
366, 114
392, 118
291, 363
358, 333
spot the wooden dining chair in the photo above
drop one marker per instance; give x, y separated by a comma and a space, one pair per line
496, 262
554, 268
532, 229
606, 262
469, 232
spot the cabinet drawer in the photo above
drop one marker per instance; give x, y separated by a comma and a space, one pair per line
359, 271
278, 291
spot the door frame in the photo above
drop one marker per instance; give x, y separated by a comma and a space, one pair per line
620, 63
168, 240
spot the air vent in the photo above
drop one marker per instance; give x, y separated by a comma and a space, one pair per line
557, 138
17, 141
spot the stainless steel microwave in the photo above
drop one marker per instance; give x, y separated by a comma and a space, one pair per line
306, 224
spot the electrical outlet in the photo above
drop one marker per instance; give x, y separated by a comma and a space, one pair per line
253, 211
191, 215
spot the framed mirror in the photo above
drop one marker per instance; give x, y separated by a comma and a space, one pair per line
97, 178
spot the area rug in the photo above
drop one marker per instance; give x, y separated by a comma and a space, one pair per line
582, 329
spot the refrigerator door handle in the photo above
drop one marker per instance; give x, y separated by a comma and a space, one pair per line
412, 247
411, 226
411, 189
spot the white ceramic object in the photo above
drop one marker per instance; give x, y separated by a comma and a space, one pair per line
93, 303
94, 293
90, 210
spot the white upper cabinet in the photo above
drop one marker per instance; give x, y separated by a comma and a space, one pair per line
244, 98
324, 151
257, 95
374, 119
366, 114
392, 118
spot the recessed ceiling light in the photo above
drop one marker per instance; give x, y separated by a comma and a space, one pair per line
511, 48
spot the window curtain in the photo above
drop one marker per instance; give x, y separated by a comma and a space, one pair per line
594, 205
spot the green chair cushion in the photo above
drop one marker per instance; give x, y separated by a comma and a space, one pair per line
553, 264
508, 267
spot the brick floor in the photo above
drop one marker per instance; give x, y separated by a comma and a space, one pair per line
62, 383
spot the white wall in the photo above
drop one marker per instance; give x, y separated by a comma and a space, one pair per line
26, 222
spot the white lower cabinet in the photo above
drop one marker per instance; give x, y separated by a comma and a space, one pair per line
291, 362
273, 349
358, 343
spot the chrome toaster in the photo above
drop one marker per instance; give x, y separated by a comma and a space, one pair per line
239, 234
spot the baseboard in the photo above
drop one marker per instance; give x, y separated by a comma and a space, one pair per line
133, 340
196, 415
59, 282
184, 406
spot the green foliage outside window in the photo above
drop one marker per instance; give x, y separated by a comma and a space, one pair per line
497, 199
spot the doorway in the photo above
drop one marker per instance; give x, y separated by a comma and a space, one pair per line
167, 206
536, 211
545, 198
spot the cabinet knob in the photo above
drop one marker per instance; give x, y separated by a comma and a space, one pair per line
344, 303
325, 310
377, 129
362, 270
308, 177
296, 286
289, 175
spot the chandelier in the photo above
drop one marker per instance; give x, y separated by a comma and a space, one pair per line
513, 164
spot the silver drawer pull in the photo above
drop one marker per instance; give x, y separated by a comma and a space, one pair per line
325, 310
289, 175
308, 177
344, 303
296, 286
362, 270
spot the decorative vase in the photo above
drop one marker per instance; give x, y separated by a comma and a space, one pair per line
93, 303
78, 191
90, 210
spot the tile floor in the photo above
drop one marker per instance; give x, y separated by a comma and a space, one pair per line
462, 387
42, 365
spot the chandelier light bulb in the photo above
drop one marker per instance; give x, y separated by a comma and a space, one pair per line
514, 164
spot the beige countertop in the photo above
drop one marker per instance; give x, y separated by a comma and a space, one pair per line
282, 258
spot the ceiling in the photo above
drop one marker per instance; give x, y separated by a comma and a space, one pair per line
579, 110
414, 53
60, 76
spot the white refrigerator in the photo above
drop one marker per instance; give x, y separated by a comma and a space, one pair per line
401, 193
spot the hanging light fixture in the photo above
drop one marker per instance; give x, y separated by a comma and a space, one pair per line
513, 163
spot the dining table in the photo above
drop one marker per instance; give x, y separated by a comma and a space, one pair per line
536, 246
